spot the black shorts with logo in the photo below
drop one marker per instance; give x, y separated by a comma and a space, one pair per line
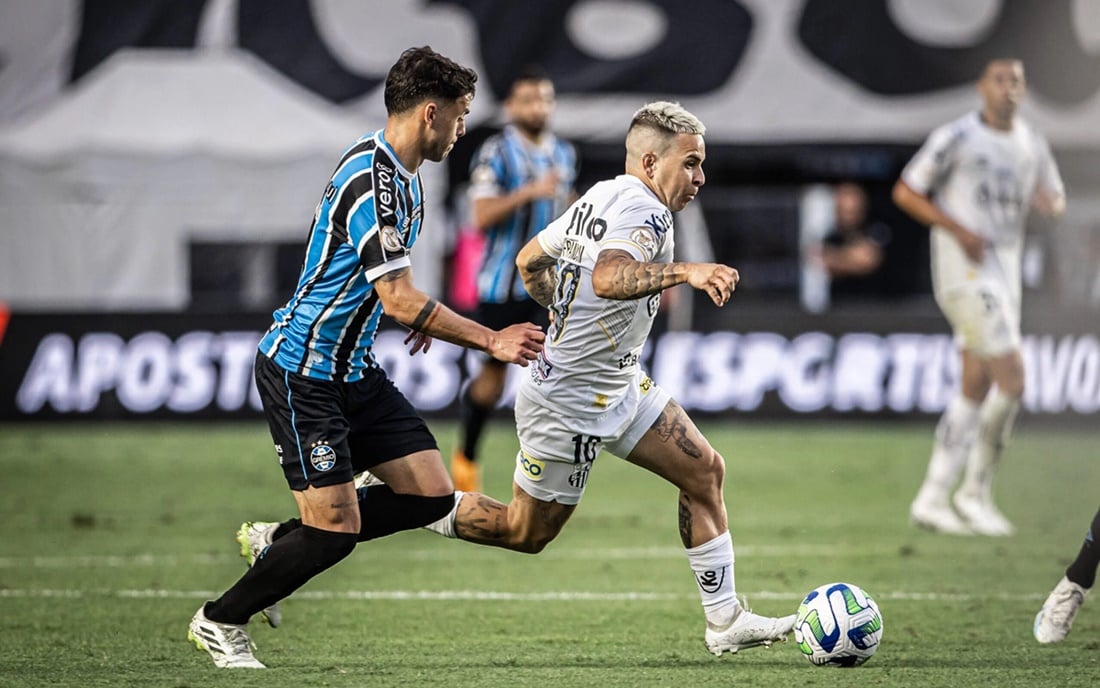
325, 432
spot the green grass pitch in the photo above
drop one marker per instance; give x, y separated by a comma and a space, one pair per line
111, 536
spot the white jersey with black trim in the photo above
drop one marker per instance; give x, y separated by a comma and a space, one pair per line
985, 179
594, 344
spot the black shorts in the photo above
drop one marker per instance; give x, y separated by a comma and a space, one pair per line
325, 432
497, 316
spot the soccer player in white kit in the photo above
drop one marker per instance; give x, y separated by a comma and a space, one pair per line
600, 268
974, 182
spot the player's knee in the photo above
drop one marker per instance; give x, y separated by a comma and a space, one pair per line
532, 539
709, 475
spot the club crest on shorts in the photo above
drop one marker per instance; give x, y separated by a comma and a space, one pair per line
322, 456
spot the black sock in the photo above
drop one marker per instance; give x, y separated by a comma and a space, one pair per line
283, 568
384, 512
1083, 569
286, 527
474, 418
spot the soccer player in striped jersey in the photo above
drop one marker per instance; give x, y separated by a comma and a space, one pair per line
331, 409
974, 182
521, 179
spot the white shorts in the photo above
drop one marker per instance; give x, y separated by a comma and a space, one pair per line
985, 322
556, 451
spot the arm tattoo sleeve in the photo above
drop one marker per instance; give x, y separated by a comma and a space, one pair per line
425, 315
631, 279
541, 279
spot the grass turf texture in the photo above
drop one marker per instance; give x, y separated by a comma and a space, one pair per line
113, 534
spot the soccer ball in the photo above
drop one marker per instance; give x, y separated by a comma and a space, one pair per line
838, 624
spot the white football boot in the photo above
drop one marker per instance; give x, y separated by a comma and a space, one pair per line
982, 516
254, 537
1054, 620
228, 644
747, 630
937, 517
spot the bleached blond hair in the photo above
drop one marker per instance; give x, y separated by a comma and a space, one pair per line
656, 124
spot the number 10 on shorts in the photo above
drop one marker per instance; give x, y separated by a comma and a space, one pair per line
585, 449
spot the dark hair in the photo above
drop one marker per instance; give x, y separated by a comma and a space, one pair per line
531, 72
422, 74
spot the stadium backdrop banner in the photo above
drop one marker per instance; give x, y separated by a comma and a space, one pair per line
778, 363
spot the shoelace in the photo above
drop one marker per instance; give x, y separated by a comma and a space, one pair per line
1063, 609
239, 642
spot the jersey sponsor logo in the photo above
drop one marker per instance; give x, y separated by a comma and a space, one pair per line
391, 240
533, 468
581, 223
628, 360
644, 238
711, 581
660, 224
322, 456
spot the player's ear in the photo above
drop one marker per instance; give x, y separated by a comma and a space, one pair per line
429, 112
649, 163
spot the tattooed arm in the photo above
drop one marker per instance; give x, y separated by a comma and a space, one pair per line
617, 275
414, 309
536, 267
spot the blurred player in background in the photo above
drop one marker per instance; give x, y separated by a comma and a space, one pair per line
852, 253
974, 182
601, 268
521, 179
331, 409
1055, 619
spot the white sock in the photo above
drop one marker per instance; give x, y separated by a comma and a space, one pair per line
998, 415
446, 525
712, 564
955, 434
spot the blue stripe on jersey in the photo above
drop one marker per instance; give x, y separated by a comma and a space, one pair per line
515, 163
327, 328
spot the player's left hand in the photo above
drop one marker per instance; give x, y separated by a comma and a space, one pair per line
420, 342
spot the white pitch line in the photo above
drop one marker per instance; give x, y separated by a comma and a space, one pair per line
444, 553
501, 596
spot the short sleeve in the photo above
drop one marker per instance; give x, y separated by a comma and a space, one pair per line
934, 161
488, 177
640, 230
374, 223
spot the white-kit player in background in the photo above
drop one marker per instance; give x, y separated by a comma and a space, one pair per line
974, 182
601, 268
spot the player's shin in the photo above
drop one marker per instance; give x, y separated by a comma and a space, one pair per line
712, 564
955, 436
446, 525
998, 415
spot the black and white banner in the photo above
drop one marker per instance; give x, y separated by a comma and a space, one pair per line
168, 366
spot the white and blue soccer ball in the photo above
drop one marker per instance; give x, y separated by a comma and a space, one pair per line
838, 625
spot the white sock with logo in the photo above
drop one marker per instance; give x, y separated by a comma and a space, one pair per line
446, 525
955, 434
998, 415
712, 564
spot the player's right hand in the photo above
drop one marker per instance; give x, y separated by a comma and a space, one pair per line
717, 280
972, 244
517, 343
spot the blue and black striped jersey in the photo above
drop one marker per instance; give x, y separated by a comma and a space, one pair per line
504, 163
366, 222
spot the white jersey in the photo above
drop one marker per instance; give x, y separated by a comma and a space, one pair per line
593, 345
984, 179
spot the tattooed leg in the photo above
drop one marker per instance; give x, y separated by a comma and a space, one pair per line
674, 449
524, 525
